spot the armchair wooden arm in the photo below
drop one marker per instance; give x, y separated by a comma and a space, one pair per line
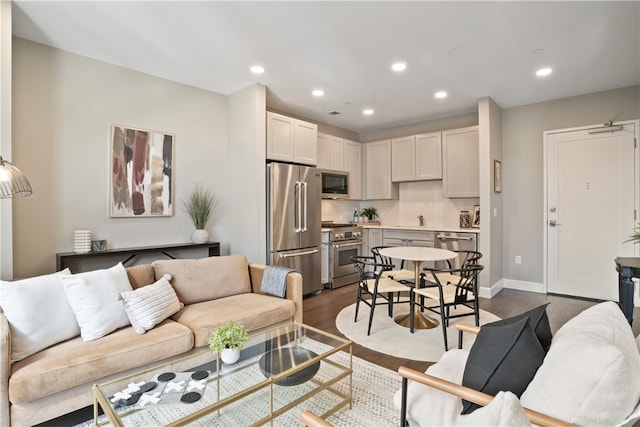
464, 393
310, 419
463, 327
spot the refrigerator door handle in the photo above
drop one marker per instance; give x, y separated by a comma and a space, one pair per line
297, 215
313, 251
304, 186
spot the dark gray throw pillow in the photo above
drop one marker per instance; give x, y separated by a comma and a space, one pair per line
539, 323
502, 358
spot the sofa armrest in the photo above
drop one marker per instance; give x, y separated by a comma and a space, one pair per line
5, 369
466, 393
294, 287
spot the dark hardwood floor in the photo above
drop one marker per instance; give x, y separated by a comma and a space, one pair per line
321, 310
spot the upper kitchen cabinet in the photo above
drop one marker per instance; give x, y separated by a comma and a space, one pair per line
353, 165
416, 158
291, 140
377, 160
460, 163
330, 152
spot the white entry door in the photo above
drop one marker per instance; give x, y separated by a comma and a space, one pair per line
592, 197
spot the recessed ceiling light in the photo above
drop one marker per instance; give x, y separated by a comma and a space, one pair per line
441, 94
367, 111
257, 69
544, 72
399, 66
317, 92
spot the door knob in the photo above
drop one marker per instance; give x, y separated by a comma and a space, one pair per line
553, 223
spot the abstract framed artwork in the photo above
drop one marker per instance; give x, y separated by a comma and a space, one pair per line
141, 181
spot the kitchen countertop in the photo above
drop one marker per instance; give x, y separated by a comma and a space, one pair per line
425, 228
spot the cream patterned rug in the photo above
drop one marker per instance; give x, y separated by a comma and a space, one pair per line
390, 338
373, 390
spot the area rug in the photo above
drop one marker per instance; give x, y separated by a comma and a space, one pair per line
373, 390
390, 338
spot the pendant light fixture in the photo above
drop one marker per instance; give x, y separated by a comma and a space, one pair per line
12, 182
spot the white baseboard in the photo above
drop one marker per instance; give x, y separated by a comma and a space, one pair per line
490, 292
520, 285
524, 286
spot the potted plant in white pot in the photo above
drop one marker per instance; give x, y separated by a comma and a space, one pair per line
199, 204
370, 213
228, 340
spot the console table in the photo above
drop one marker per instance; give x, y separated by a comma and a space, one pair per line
627, 268
130, 253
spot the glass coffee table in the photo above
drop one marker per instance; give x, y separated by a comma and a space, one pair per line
281, 372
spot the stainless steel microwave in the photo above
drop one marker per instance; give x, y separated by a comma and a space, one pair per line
335, 184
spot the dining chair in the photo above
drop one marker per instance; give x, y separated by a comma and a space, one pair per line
402, 275
373, 283
450, 287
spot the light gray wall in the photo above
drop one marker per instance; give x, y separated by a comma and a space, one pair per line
522, 129
6, 237
491, 236
63, 107
247, 171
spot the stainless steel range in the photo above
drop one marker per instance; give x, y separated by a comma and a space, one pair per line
345, 241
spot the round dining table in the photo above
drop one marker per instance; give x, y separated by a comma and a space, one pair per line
417, 255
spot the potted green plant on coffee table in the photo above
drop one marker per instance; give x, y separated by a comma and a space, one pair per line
228, 340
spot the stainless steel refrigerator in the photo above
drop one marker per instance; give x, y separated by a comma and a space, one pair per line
294, 221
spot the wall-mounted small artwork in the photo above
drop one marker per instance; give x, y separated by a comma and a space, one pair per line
141, 173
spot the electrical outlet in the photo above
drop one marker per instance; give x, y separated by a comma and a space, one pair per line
518, 259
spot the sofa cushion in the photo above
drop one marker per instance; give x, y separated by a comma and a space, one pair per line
140, 275
38, 313
502, 358
75, 362
539, 323
591, 374
93, 297
149, 305
197, 280
253, 311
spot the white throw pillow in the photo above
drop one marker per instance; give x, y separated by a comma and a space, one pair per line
591, 374
504, 410
94, 299
38, 313
149, 305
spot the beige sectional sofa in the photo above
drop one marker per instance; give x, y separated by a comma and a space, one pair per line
58, 379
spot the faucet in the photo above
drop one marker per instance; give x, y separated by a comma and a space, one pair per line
421, 219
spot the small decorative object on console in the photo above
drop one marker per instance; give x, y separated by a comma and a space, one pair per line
199, 205
465, 219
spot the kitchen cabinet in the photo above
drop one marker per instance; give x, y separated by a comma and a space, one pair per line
372, 237
416, 158
324, 257
353, 165
460, 163
331, 153
391, 237
291, 140
378, 184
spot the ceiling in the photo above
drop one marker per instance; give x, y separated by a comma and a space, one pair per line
469, 49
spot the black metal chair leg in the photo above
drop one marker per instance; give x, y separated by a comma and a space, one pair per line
358, 298
412, 304
390, 308
373, 306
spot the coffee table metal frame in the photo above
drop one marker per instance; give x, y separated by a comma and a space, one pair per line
101, 398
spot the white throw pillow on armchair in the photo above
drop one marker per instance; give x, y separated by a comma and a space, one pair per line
591, 374
93, 296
